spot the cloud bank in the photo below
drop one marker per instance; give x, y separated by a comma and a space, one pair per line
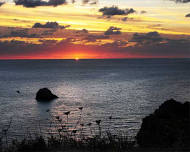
149, 38
114, 10
53, 25
150, 44
36, 3
188, 15
112, 31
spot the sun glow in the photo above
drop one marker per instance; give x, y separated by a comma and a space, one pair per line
76, 58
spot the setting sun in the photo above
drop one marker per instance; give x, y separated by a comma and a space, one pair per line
76, 58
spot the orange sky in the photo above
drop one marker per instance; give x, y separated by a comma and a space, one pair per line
165, 17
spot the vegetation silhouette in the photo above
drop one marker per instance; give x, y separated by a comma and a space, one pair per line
165, 130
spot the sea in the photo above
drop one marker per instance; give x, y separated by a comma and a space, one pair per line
119, 92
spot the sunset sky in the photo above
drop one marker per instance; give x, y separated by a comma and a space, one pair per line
91, 29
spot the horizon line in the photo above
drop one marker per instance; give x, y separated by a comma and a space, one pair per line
97, 58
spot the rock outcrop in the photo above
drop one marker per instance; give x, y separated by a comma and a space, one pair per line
168, 126
45, 94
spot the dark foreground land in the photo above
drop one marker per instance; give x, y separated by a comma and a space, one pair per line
165, 130
130, 150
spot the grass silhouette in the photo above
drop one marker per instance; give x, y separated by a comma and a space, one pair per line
62, 137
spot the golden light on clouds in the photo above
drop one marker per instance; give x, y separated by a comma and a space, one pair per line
81, 30
89, 18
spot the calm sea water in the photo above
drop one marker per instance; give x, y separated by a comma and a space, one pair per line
127, 90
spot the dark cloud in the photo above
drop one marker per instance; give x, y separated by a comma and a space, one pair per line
56, 2
116, 44
151, 37
177, 42
85, 1
91, 2
112, 31
48, 42
84, 31
20, 33
188, 15
182, 1
172, 48
94, 38
36, 3
114, 10
153, 45
94, 3
143, 12
1, 3
14, 48
21, 48
124, 19
21, 20
53, 25
48, 32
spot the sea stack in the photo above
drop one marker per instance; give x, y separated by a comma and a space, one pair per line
168, 126
45, 94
